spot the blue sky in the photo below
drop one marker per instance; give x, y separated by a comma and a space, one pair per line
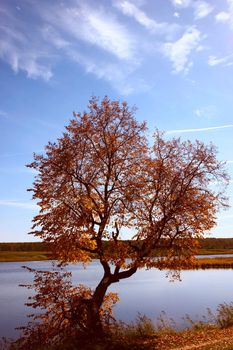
173, 59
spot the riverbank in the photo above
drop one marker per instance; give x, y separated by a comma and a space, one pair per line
39, 251
203, 339
16, 256
214, 263
203, 263
208, 338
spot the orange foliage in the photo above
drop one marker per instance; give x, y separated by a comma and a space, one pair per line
63, 309
102, 179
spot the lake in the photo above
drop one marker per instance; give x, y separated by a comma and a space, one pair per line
148, 292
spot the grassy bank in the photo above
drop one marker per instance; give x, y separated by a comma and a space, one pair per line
215, 251
216, 333
13, 256
214, 263
28, 251
203, 263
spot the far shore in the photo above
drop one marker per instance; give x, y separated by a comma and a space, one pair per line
203, 263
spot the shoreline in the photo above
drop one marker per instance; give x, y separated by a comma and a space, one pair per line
220, 262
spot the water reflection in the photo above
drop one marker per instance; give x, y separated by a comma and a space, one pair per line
148, 292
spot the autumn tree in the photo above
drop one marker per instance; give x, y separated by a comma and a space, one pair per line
106, 191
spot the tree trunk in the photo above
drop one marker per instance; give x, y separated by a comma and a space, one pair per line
94, 323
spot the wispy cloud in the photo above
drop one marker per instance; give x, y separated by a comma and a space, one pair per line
226, 16
50, 35
101, 29
121, 77
179, 52
59, 31
215, 61
98, 38
130, 9
93, 25
176, 14
208, 112
18, 204
3, 114
201, 8
222, 17
199, 129
181, 3
19, 49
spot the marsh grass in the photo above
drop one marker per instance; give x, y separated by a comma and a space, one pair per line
213, 263
14, 256
143, 333
224, 315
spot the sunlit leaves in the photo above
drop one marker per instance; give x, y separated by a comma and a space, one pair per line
101, 179
102, 173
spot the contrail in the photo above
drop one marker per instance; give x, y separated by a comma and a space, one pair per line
18, 204
200, 129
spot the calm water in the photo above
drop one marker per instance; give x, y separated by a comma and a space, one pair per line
148, 292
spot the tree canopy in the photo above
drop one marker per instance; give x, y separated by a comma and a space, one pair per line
106, 179
102, 180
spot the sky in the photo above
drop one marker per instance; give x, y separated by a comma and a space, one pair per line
173, 59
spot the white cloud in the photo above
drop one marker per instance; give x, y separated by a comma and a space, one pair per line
18, 204
226, 16
179, 51
119, 76
19, 50
176, 14
199, 129
92, 25
214, 61
222, 17
201, 8
113, 37
130, 9
52, 36
99, 29
208, 112
72, 30
181, 3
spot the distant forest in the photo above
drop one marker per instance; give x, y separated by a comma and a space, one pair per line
205, 243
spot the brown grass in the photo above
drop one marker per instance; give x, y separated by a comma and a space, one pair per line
12, 256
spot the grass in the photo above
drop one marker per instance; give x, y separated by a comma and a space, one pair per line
143, 334
208, 263
203, 263
214, 251
12, 256
216, 333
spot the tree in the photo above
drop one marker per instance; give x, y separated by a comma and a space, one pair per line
102, 179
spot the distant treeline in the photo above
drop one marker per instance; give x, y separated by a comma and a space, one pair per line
205, 243
216, 243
